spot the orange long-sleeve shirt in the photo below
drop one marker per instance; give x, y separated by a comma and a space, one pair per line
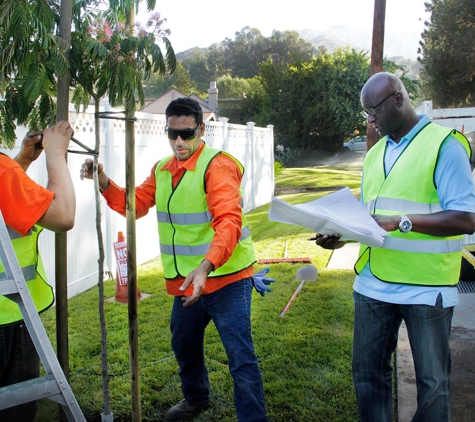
223, 179
22, 201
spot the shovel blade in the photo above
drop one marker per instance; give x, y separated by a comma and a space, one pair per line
307, 273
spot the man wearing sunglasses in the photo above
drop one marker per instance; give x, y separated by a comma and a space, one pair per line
417, 185
207, 255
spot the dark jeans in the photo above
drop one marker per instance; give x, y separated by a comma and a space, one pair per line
19, 361
229, 308
375, 339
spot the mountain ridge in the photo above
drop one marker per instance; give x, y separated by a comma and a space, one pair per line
404, 44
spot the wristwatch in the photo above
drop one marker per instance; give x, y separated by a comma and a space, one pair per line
405, 224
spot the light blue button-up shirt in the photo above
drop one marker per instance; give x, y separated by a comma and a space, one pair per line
455, 190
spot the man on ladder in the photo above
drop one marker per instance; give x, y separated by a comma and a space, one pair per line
27, 208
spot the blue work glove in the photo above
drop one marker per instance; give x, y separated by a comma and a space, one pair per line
261, 283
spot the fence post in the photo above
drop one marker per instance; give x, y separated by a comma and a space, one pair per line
271, 137
110, 166
427, 109
250, 126
224, 121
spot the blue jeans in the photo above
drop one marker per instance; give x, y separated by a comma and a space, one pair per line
19, 361
230, 310
375, 339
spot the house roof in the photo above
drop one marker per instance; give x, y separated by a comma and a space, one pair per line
159, 105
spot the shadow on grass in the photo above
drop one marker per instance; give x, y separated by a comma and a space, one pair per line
305, 357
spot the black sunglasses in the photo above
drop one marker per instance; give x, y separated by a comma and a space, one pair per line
372, 110
185, 134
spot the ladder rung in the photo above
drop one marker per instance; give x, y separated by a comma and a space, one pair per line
7, 287
30, 390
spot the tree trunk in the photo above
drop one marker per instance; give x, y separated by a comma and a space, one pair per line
61, 239
131, 252
106, 414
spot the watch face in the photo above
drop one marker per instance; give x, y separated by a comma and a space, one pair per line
405, 226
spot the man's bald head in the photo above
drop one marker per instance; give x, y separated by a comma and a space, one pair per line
385, 99
383, 83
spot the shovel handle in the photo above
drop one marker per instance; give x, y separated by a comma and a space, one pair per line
297, 291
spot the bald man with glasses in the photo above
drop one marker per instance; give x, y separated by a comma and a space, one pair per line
417, 185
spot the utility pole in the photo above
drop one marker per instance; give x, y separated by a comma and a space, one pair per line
61, 239
377, 54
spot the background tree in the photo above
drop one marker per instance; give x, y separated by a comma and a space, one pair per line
286, 47
243, 54
215, 61
198, 69
316, 103
156, 85
229, 87
237, 97
249, 48
313, 104
448, 53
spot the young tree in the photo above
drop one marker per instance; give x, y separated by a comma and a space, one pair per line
448, 53
110, 57
31, 60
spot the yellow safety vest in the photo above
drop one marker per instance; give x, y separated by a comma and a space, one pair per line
184, 222
409, 188
29, 259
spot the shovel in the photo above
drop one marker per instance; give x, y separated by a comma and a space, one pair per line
305, 273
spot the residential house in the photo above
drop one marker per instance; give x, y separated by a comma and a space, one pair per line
210, 110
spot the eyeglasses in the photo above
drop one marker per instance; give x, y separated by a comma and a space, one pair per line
371, 111
185, 134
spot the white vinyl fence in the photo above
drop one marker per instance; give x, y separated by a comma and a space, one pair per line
462, 119
251, 145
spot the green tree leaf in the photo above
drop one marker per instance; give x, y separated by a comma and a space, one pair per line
448, 53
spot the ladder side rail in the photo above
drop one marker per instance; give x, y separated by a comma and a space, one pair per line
34, 325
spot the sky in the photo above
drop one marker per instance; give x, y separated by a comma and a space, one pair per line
198, 23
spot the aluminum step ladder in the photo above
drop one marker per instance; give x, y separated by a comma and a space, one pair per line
54, 384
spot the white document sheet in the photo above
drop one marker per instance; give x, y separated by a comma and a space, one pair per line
338, 212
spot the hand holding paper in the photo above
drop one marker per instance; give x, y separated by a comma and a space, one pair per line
338, 212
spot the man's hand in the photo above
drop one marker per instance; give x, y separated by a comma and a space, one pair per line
86, 172
56, 138
198, 278
329, 242
30, 150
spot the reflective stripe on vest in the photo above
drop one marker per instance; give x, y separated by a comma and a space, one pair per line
406, 206
411, 258
196, 250
29, 273
185, 237
26, 251
193, 218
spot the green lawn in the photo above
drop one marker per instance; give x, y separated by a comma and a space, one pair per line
305, 357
